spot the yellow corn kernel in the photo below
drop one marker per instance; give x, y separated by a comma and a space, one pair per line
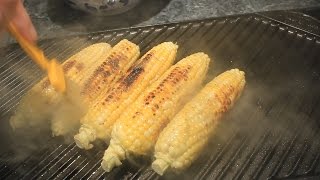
181, 142
137, 129
99, 120
36, 106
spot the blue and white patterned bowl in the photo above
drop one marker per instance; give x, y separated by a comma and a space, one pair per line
103, 7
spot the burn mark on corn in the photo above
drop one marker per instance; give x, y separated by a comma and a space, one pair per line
101, 76
132, 77
223, 97
176, 76
147, 58
136, 114
129, 79
79, 66
111, 96
68, 65
141, 62
124, 84
114, 63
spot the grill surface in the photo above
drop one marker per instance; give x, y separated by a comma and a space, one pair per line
273, 132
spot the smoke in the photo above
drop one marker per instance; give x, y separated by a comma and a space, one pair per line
67, 115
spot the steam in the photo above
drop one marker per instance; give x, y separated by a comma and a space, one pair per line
67, 115
29, 141
265, 109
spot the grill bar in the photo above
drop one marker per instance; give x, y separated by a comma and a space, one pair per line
26, 66
9, 100
235, 154
215, 159
84, 168
59, 151
252, 154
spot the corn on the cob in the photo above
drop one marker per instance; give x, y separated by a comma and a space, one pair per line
181, 142
36, 105
121, 57
137, 129
99, 80
99, 120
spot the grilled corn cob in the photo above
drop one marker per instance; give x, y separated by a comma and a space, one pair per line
119, 60
99, 80
137, 129
181, 142
99, 120
36, 105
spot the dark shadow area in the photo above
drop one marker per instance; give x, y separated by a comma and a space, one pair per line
74, 20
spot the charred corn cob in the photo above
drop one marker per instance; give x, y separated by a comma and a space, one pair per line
36, 105
137, 129
181, 142
101, 77
99, 120
118, 61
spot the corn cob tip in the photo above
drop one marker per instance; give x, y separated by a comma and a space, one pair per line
160, 166
112, 157
109, 162
85, 136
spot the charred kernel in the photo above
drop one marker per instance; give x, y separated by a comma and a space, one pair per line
106, 74
68, 65
147, 57
79, 66
132, 77
114, 63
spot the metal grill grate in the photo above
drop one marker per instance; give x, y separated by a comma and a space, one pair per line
273, 132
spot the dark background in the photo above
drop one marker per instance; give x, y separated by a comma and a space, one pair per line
53, 18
